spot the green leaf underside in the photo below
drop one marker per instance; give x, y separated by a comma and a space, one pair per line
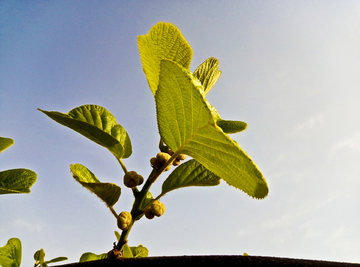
190, 173
164, 40
5, 143
89, 256
186, 123
107, 192
10, 254
16, 181
97, 124
208, 73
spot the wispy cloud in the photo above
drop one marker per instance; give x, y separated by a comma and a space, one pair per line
30, 227
352, 143
309, 123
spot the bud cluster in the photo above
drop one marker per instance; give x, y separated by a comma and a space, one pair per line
124, 220
180, 157
132, 179
156, 209
162, 157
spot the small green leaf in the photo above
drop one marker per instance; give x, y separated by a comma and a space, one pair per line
16, 181
148, 199
39, 257
5, 143
187, 125
117, 236
10, 254
231, 127
140, 251
57, 260
164, 40
89, 256
208, 73
127, 253
97, 124
107, 192
189, 173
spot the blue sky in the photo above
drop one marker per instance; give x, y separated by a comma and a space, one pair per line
290, 69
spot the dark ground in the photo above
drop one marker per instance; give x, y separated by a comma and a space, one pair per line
210, 261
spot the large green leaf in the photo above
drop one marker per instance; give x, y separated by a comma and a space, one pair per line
186, 125
5, 143
190, 173
107, 192
16, 181
10, 254
164, 40
97, 124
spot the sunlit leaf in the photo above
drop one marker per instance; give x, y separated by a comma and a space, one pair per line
127, 253
107, 192
89, 256
164, 40
5, 143
189, 173
16, 181
97, 124
10, 254
186, 125
140, 251
208, 73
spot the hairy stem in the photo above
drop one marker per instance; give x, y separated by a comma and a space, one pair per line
122, 165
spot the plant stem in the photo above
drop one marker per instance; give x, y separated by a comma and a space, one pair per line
113, 212
136, 211
122, 165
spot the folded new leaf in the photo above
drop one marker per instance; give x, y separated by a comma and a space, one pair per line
186, 124
16, 181
107, 192
97, 124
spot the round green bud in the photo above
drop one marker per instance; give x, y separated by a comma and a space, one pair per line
132, 179
181, 157
124, 220
157, 208
162, 157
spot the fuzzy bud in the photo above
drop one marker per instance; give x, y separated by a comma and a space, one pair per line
124, 220
181, 157
157, 208
160, 160
132, 179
